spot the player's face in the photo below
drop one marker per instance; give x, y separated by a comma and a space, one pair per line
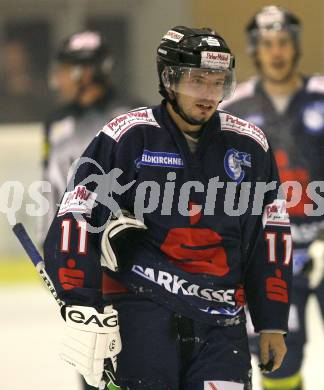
64, 82
199, 93
276, 55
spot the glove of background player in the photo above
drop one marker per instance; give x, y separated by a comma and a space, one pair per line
119, 236
316, 253
90, 338
272, 350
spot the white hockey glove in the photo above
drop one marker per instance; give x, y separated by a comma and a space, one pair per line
316, 253
118, 237
90, 338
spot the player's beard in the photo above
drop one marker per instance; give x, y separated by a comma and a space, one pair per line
189, 118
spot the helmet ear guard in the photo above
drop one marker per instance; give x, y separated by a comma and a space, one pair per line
165, 79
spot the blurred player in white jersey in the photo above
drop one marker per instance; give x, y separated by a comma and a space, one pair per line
81, 77
289, 107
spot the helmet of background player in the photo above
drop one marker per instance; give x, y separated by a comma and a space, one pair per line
273, 18
87, 48
189, 52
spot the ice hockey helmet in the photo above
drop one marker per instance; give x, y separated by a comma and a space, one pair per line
86, 48
272, 18
194, 48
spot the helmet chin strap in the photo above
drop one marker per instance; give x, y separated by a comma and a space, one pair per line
182, 114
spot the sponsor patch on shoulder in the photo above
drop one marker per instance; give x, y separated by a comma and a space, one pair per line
315, 84
240, 126
80, 201
119, 125
242, 90
223, 385
275, 214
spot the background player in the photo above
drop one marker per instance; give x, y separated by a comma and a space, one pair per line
290, 109
81, 78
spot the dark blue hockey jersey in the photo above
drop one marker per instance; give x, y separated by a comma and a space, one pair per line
217, 228
296, 136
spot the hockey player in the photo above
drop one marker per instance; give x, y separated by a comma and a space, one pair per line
151, 205
81, 77
290, 109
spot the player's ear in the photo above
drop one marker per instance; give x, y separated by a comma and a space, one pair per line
167, 83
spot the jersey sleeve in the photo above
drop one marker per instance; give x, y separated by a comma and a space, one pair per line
269, 253
54, 173
96, 189
55, 164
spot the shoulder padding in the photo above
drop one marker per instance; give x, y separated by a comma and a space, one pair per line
242, 91
118, 126
315, 84
242, 127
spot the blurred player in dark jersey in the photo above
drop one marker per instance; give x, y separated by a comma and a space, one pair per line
289, 107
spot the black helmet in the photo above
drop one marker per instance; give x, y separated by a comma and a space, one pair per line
87, 48
184, 47
272, 18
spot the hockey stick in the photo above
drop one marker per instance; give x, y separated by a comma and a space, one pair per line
34, 255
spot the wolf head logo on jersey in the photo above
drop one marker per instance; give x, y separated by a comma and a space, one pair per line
313, 118
233, 162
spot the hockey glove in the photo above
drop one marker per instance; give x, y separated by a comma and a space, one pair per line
119, 236
90, 338
316, 253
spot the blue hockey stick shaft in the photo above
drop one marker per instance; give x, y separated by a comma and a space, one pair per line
36, 258
27, 243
